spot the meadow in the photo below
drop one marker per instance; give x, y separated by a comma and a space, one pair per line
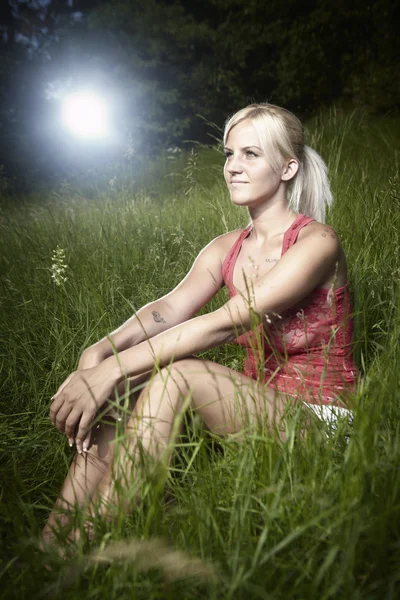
229, 518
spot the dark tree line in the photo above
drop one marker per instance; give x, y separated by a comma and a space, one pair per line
162, 62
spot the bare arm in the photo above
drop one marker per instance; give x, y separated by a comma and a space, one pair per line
201, 283
303, 268
150, 320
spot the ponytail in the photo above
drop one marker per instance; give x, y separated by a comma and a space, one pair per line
310, 192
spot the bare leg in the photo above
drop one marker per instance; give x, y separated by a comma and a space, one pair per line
227, 401
86, 471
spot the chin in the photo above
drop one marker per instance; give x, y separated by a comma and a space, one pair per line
243, 201
240, 199
237, 202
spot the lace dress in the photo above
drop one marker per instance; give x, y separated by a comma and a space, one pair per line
307, 352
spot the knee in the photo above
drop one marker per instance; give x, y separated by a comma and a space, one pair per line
180, 373
185, 366
180, 381
175, 377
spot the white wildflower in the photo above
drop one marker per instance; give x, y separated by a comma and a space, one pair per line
59, 267
178, 237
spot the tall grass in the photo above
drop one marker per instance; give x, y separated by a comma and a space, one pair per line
311, 518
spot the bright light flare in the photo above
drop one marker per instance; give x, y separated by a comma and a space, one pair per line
85, 115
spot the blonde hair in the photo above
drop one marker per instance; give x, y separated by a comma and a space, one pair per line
282, 138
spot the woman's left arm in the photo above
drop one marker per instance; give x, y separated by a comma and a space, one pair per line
303, 268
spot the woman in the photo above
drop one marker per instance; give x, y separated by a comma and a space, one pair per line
289, 305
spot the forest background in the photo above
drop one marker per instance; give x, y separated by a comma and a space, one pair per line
170, 65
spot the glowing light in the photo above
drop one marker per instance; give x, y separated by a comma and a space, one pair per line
85, 115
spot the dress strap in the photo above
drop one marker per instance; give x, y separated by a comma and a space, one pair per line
229, 263
292, 233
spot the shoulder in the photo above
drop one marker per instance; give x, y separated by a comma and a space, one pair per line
213, 256
228, 239
224, 242
319, 244
217, 249
231, 236
321, 235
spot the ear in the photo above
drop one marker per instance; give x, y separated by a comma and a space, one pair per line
290, 170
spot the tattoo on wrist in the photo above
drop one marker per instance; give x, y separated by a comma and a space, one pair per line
157, 317
272, 260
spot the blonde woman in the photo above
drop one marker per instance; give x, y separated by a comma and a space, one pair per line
289, 305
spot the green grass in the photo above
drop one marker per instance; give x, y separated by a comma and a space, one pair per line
315, 518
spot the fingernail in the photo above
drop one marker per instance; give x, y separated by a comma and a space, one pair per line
85, 448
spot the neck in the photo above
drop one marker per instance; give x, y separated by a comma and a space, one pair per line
271, 221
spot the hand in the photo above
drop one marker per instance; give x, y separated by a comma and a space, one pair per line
90, 358
77, 400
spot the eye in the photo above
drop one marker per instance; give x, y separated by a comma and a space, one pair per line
228, 153
250, 153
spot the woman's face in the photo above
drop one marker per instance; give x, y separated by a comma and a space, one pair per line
249, 176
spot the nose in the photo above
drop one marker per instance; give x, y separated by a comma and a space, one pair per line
234, 165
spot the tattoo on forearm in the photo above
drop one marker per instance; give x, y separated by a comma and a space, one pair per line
157, 317
271, 259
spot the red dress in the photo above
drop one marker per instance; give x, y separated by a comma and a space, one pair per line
307, 352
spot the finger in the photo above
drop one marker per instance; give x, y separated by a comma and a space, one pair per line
54, 408
72, 422
62, 417
84, 426
71, 441
62, 386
